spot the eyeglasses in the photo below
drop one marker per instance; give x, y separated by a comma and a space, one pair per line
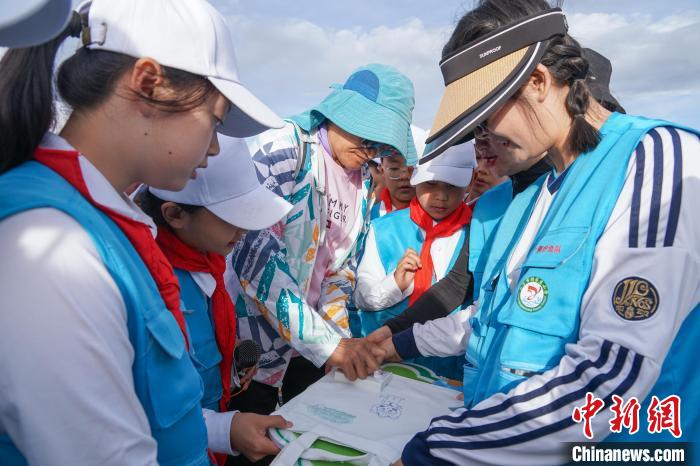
396, 173
378, 149
484, 134
481, 131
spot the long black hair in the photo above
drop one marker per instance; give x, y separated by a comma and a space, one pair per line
563, 57
84, 81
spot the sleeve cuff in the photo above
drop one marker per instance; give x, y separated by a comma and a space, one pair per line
219, 431
417, 452
392, 292
405, 344
319, 358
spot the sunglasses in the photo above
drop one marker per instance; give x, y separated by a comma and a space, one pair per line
378, 149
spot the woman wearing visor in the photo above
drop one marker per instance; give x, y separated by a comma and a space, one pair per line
592, 281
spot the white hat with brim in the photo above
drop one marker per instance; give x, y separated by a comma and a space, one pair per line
454, 166
24, 23
190, 35
229, 188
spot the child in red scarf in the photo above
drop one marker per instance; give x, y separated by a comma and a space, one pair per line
408, 250
197, 228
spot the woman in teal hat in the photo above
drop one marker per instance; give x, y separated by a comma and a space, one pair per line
295, 279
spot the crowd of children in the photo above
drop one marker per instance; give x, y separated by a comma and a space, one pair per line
329, 240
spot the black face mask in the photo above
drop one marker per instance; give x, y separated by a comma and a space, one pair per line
525, 178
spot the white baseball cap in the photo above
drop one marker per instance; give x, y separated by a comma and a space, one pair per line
190, 35
228, 187
24, 23
454, 166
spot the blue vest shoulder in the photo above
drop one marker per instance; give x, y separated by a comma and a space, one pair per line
160, 358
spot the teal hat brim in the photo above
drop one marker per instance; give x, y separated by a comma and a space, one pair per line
363, 118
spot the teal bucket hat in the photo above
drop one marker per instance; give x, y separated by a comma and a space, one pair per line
375, 103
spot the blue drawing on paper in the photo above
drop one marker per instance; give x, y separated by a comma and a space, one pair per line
330, 414
389, 407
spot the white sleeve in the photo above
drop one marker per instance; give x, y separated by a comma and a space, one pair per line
376, 291
66, 387
446, 336
651, 239
219, 430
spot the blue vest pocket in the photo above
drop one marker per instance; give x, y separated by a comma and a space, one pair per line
542, 315
174, 386
206, 360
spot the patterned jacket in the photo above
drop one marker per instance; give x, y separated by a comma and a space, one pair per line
274, 266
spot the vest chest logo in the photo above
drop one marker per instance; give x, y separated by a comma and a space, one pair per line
533, 294
635, 298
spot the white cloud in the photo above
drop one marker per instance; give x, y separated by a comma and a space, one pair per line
290, 62
656, 65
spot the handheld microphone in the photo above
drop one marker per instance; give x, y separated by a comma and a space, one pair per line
245, 356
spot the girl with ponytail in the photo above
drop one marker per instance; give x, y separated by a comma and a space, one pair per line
579, 295
96, 364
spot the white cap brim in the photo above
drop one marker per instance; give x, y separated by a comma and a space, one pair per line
28, 23
248, 115
255, 210
456, 176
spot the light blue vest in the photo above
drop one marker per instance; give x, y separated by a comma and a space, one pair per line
505, 335
394, 233
488, 211
166, 383
204, 350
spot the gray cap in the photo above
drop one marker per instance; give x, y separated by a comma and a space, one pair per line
24, 23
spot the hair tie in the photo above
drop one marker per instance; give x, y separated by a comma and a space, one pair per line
75, 25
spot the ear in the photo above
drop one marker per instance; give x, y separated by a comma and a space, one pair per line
174, 215
540, 83
146, 77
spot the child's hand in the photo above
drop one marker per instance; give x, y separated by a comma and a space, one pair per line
407, 268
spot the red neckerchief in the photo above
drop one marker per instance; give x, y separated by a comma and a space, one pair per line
185, 257
446, 227
66, 164
385, 197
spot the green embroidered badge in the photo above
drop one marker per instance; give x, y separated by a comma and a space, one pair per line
533, 294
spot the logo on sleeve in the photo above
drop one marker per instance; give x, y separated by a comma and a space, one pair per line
532, 294
635, 298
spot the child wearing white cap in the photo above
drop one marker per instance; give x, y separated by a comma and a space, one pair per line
408, 250
95, 366
197, 227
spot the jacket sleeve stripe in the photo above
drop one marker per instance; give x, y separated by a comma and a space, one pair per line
525, 397
468, 444
637, 196
658, 176
592, 385
677, 191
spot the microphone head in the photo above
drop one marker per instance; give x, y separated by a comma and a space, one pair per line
246, 354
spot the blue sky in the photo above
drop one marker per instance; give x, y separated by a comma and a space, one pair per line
290, 51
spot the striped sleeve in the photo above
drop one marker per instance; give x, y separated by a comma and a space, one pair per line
655, 191
651, 238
